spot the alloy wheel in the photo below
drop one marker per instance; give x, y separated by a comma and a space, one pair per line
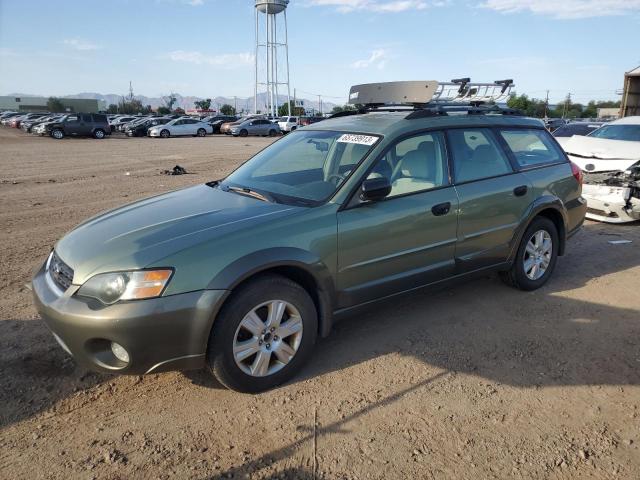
537, 255
267, 338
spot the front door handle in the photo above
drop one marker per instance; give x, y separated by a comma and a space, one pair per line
441, 209
520, 191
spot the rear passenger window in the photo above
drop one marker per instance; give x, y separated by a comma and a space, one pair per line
532, 147
477, 155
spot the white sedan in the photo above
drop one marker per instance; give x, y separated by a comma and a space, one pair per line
610, 160
180, 127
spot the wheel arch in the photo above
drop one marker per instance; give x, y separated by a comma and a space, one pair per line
297, 265
549, 207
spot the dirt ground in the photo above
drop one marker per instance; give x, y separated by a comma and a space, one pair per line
474, 382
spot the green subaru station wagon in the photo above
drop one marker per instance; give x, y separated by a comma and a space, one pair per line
243, 274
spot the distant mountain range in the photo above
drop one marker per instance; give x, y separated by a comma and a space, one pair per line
187, 102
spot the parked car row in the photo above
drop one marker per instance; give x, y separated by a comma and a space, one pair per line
99, 125
59, 125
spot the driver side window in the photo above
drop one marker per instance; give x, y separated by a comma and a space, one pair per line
414, 164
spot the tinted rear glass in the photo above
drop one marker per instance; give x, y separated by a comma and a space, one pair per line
532, 147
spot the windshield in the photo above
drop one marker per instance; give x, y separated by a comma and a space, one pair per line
304, 167
629, 133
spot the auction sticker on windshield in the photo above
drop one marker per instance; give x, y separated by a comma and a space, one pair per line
359, 139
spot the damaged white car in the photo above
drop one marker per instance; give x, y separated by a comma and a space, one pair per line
610, 160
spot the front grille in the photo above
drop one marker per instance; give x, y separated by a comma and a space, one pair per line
60, 272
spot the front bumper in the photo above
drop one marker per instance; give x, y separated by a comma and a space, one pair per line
611, 204
159, 334
153, 133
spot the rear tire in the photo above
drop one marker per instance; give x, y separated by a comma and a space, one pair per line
532, 267
272, 133
99, 134
57, 133
201, 132
241, 371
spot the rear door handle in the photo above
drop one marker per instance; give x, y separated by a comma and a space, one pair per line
520, 191
441, 209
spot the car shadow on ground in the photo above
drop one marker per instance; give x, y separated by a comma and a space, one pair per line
481, 327
35, 373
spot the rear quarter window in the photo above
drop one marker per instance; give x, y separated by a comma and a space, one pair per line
532, 147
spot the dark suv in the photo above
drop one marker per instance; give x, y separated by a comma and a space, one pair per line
93, 125
243, 274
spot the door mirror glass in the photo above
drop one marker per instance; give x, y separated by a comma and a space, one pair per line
375, 188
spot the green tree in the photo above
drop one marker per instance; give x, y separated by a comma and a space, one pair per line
55, 105
283, 110
591, 110
343, 108
179, 111
170, 100
163, 111
227, 109
131, 106
113, 108
203, 104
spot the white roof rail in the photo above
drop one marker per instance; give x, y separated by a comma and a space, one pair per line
457, 91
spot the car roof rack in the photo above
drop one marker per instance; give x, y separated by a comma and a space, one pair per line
431, 98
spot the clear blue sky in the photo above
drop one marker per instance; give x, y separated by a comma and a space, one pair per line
205, 47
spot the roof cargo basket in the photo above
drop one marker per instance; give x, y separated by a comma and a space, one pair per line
431, 98
429, 93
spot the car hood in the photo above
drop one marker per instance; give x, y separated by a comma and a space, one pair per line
594, 154
138, 234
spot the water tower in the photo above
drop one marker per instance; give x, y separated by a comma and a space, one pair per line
272, 53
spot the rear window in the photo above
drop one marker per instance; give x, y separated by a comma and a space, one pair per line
532, 147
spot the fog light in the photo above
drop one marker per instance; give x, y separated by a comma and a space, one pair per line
119, 352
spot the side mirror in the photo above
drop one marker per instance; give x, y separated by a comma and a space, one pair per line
374, 189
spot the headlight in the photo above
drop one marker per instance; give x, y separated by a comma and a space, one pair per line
137, 285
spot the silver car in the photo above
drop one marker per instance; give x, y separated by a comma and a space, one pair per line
181, 127
257, 126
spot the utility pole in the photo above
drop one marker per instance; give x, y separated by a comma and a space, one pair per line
546, 107
130, 91
295, 103
235, 104
567, 101
320, 104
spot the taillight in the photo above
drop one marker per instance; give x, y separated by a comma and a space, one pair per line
577, 172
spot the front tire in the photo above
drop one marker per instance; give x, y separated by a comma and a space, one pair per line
243, 133
536, 258
165, 133
263, 335
57, 133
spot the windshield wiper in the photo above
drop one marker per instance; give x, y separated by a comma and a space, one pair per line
249, 193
